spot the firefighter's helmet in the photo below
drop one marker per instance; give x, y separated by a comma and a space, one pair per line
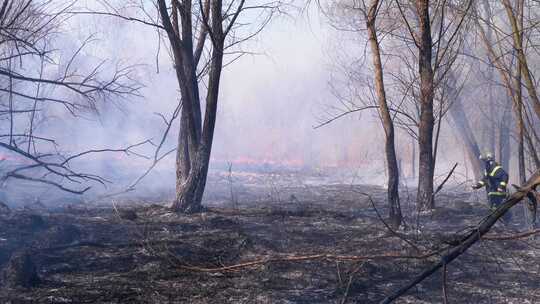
488, 156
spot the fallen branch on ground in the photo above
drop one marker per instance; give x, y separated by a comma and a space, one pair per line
472, 238
300, 258
512, 236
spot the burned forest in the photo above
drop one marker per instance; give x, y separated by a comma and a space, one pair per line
269, 151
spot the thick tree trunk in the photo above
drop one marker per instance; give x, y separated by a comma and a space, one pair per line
183, 162
395, 215
425, 132
196, 136
189, 170
189, 193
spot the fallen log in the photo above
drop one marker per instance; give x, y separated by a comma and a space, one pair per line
483, 227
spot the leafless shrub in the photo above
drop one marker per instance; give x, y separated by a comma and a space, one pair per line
35, 85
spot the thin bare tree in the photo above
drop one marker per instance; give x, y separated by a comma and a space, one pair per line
436, 52
503, 53
367, 12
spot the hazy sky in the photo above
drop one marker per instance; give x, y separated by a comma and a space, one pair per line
269, 104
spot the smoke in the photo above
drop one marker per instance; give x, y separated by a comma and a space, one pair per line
270, 101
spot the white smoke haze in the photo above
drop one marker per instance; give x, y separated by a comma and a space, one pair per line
271, 100
269, 105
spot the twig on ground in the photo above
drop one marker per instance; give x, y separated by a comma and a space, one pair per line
445, 295
300, 258
351, 278
511, 236
338, 273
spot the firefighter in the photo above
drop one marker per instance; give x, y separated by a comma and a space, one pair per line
496, 181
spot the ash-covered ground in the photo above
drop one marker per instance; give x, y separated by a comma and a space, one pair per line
265, 238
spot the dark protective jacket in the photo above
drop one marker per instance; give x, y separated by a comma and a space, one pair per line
495, 179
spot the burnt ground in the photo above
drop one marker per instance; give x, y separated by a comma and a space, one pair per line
140, 252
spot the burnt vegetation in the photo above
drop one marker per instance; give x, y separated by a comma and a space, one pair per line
444, 80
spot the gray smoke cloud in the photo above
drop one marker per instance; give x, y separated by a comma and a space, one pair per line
270, 101
271, 98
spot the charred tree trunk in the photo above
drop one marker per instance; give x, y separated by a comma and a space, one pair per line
425, 132
388, 125
195, 136
189, 191
189, 195
183, 163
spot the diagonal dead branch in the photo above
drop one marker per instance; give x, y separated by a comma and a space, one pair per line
514, 236
471, 239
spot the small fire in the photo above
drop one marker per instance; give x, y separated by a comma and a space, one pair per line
14, 159
247, 160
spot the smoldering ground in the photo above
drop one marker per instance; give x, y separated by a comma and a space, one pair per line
286, 216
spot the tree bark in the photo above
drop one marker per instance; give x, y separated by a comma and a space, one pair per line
183, 162
395, 215
195, 136
425, 132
